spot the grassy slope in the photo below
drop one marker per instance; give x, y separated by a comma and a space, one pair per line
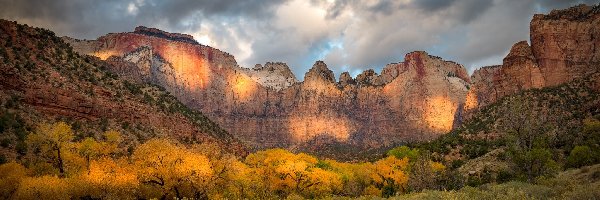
583, 183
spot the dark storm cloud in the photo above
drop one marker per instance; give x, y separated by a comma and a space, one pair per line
465, 10
90, 18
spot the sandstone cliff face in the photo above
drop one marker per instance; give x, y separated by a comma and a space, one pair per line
266, 107
566, 43
563, 49
416, 99
482, 91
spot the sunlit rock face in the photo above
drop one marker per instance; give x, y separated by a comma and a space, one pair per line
563, 47
482, 91
417, 99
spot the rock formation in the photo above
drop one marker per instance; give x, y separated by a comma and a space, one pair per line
267, 107
416, 99
563, 48
274, 75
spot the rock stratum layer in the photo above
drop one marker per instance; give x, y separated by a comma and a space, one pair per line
413, 100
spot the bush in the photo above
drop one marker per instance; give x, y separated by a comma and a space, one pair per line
404, 152
580, 156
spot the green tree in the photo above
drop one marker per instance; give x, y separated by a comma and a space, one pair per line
528, 134
404, 152
580, 156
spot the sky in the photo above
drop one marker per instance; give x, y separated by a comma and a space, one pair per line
350, 35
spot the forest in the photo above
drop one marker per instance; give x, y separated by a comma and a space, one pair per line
58, 166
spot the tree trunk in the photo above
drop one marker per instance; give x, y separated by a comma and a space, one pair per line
61, 168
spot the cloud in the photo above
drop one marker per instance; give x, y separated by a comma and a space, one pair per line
90, 19
349, 35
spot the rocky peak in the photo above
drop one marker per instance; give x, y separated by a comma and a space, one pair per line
519, 51
579, 12
319, 71
163, 34
366, 77
274, 75
346, 79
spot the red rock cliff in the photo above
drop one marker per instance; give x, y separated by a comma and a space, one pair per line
563, 47
417, 99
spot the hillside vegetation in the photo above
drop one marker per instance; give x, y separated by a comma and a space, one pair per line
43, 80
520, 137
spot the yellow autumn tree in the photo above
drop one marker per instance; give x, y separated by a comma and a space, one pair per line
355, 177
167, 170
286, 173
389, 175
107, 179
234, 180
46, 187
52, 141
325, 183
111, 142
90, 149
10, 177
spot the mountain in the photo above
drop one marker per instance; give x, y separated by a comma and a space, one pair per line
543, 98
414, 100
266, 107
43, 80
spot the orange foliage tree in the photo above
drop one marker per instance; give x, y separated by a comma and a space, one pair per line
167, 170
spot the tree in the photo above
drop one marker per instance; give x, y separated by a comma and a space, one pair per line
529, 136
286, 173
404, 152
167, 170
580, 156
51, 140
88, 148
107, 179
10, 176
47, 187
389, 176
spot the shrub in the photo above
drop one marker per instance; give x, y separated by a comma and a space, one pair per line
580, 156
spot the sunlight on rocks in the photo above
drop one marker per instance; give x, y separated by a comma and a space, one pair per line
242, 86
188, 65
439, 113
306, 128
105, 54
471, 101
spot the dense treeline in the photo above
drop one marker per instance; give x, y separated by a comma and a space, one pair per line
58, 167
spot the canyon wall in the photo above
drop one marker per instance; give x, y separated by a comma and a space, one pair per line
267, 107
565, 45
414, 100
